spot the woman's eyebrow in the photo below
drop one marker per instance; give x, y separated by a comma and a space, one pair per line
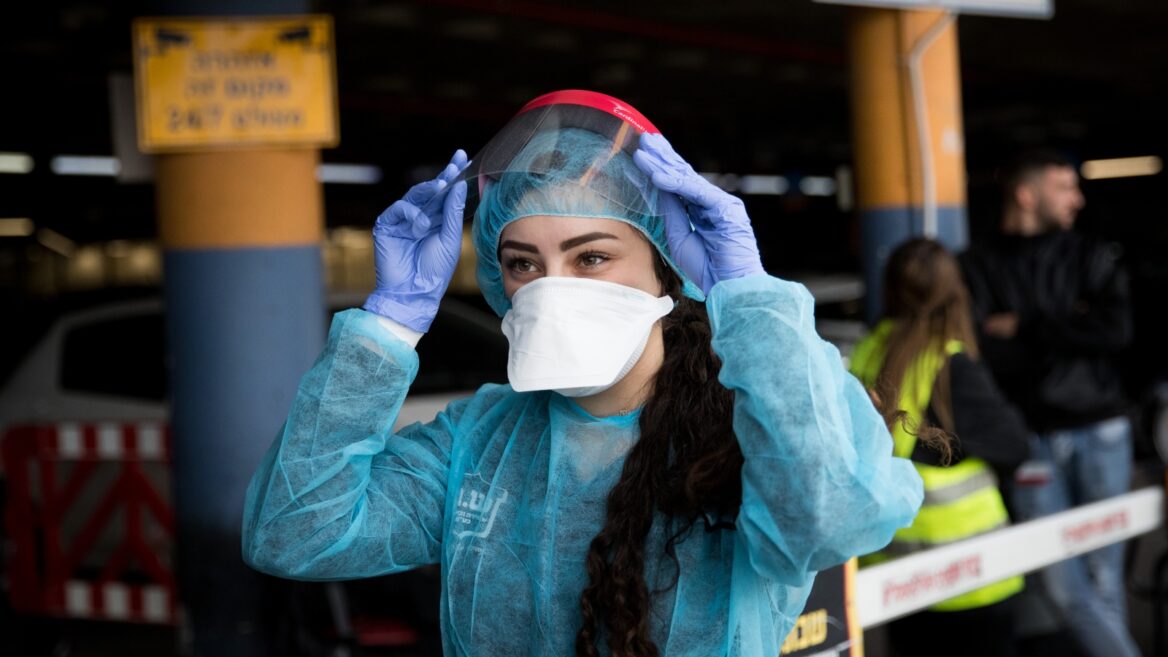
583, 239
518, 246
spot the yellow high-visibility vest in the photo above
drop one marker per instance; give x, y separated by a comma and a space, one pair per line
961, 501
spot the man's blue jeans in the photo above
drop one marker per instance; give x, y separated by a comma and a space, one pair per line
1069, 468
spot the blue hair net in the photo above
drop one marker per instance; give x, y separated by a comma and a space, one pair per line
567, 172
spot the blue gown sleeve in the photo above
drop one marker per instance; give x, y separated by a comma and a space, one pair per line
338, 495
819, 482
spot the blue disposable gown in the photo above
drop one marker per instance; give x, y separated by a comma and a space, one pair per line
506, 490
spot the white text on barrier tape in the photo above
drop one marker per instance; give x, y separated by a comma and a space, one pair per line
896, 588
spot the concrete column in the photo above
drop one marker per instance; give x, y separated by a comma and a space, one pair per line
908, 134
241, 235
241, 232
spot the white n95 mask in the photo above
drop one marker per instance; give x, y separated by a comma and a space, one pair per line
577, 336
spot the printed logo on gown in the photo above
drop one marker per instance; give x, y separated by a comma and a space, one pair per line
476, 506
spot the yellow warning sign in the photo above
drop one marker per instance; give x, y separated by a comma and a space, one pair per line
212, 83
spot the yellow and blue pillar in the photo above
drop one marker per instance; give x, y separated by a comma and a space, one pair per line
241, 234
241, 230
907, 134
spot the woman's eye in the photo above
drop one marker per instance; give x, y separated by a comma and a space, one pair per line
592, 259
520, 265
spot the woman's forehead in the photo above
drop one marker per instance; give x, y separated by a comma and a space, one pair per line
538, 228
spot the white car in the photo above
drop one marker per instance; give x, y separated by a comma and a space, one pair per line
108, 364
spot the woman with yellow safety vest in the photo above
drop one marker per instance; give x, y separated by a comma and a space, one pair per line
958, 430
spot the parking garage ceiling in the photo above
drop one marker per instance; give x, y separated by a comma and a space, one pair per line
739, 85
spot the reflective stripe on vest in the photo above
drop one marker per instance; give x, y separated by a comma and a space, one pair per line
982, 478
962, 500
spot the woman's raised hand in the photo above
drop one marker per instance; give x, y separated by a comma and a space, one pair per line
709, 233
416, 245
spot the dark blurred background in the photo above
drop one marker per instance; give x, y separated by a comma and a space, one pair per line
740, 87
745, 87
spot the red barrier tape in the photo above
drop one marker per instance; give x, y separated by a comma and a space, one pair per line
47, 563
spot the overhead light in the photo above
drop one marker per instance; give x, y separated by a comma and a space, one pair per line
15, 163
351, 174
764, 185
16, 227
751, 184
727, 181
117, 248
85, 165
351, 238
845, 196
54, 241
1122, 167
817, 186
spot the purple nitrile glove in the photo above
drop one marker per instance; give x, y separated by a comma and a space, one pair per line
415, 253
709, 233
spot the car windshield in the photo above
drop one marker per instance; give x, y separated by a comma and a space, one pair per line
124, 355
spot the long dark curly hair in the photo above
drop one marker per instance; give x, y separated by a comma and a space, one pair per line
686, 425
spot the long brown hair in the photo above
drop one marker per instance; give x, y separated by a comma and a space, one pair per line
926, 298
687, 465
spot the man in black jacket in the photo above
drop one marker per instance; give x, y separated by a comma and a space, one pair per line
1052, 309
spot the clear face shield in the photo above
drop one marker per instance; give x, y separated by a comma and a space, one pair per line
577, 151
566, 154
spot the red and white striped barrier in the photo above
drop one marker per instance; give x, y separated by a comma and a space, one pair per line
72, 487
